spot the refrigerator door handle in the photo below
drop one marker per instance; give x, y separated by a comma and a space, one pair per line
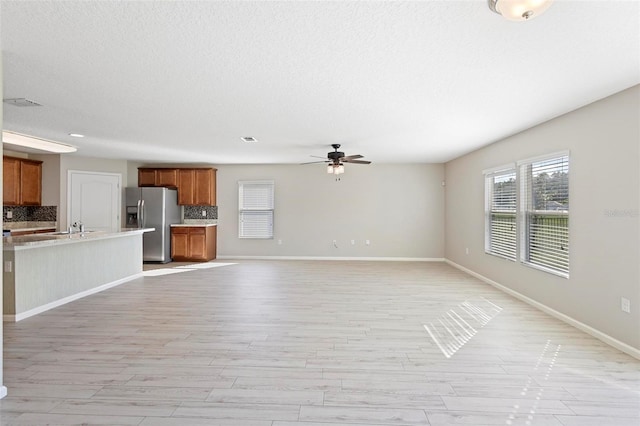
144, 219
138, 215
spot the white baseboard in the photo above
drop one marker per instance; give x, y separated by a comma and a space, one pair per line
375, 259
65, 300
628, 349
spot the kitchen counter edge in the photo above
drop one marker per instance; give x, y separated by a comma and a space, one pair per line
35, 241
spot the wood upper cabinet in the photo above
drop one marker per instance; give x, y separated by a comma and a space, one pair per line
197, 187
11, 181
167, 178
31, 183
193, 243
22, 182
186, 183
146, 177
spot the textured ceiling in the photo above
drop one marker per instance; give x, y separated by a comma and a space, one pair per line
395, 81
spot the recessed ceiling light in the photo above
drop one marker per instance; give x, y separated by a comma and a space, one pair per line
36, 143
76, 135
249, 139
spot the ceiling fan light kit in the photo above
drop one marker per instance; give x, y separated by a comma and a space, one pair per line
336, 169
336, 159
519, 10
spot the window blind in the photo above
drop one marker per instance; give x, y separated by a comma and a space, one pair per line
545, 213
500, 211
255, 205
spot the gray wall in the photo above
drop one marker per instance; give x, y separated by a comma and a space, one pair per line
398, 207
603, 139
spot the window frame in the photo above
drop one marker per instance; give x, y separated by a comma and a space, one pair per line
266, 210
527, 210
490, 176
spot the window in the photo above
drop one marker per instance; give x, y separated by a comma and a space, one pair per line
527, 212
500, 212
255, 209
544, 219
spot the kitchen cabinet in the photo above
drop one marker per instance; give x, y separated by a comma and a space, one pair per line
11, 181
167, 178
22, 182
193, 243
197, 187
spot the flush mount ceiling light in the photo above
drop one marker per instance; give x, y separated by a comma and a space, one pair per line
519, 10
20, 102
249, 139
76, 135
36, 143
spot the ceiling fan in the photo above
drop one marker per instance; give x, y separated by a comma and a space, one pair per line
336, 159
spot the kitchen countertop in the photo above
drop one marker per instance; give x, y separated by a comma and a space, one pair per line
27, 226
40, 240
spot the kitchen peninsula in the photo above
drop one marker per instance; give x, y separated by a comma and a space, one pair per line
44, 271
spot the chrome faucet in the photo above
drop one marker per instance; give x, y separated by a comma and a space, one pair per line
76, 225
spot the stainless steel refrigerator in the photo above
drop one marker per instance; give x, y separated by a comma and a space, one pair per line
153, 208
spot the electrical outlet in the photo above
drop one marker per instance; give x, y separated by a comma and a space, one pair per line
279, 242
9, 214
8, 266
367, 242
353, 242
466, 250
625, 305
204, 213
335, 243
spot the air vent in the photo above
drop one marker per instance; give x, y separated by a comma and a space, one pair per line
249, 139
21, 102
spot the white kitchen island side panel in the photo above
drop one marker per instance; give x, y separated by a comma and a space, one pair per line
44, 275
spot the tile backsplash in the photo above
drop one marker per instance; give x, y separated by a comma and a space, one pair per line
195, 212
30, 213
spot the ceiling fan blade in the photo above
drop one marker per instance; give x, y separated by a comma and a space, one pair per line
351, 157
355, 161
315, 162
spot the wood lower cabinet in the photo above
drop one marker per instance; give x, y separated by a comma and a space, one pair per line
22, 182
193, 243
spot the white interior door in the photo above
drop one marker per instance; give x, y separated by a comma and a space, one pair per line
94, 199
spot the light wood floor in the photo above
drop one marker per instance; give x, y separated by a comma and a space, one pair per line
301, 343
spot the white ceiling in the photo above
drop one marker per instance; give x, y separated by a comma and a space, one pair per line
395, 81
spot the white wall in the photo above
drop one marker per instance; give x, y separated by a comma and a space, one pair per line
399, 208
604, 141
3, 389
